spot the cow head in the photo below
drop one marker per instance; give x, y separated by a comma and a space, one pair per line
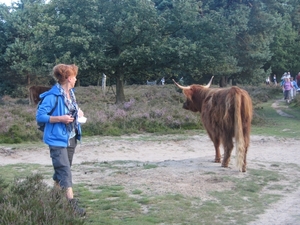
190, 91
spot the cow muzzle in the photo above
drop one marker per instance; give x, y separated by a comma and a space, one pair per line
185, 106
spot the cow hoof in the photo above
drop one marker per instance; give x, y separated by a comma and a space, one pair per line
226, 166
217, 160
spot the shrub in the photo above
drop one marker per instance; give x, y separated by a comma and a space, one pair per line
31, 201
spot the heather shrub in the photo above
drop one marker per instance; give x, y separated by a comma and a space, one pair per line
30, 201
297, 100
146, 109
263, 93
17, 124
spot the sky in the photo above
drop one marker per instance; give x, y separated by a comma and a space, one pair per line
7, 2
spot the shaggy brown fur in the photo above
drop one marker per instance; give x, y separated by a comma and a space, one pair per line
225, 114
34, 93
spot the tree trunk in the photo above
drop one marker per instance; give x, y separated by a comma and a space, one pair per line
120, 96
223, 81
28, 79
234, 83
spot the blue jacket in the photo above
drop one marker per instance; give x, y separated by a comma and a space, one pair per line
55, 134
294, 83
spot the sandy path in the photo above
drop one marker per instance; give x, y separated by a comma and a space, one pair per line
134, 148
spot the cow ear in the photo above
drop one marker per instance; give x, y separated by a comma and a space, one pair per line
188, 93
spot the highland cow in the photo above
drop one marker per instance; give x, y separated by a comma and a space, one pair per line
34, 93
225, 114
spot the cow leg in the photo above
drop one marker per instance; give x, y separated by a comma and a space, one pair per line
245, 161
246, 132
247, 140
228, 146
217, 149
217, 143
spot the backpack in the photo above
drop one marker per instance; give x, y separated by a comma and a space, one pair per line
41, 126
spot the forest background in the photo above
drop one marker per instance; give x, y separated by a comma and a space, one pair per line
132, 41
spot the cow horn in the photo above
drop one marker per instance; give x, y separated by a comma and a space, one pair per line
181, 87
208, 85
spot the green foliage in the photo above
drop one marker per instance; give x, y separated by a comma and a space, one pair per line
274, 124
31, 201
137, 40
149, 166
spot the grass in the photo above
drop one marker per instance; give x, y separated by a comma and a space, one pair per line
115, 204
275, 124
12, 171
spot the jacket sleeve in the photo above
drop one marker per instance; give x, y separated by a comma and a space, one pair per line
44, 108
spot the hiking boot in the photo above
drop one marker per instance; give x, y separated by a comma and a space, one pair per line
77, 210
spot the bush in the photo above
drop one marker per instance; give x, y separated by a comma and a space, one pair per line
30, 201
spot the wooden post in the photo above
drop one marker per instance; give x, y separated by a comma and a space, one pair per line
103, 83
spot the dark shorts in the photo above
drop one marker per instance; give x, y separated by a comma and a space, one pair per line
287, 94
71, 149
62, 160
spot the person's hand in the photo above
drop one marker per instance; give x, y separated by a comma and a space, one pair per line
66, 119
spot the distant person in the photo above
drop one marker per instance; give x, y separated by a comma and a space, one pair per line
298, 79
287, 87
283, 77
268, 81
162, 81
275, 80
181, 81
294, 88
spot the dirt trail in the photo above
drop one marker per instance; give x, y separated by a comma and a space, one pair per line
278, 108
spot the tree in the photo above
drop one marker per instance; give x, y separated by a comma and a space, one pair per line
139, 40
111, 37
20, 53
286, 45
129, 32
252, 24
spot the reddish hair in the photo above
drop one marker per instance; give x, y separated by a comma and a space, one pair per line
63, 71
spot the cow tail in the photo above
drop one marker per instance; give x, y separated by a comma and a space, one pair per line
238, 132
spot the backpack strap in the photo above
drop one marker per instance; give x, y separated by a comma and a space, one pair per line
52, 110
